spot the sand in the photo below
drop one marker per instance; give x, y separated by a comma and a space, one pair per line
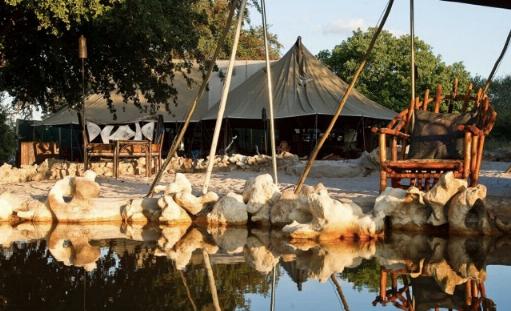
362, 190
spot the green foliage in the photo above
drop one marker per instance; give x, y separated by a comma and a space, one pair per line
131, 47
386, 78
7, 137
134, 47
500, 95
364, 276
251, 45
59, 15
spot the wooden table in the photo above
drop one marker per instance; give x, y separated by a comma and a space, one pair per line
132, 148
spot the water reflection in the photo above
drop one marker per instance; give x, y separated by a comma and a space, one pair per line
193, 268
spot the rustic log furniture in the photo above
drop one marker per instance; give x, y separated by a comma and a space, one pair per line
469, 129
115, 149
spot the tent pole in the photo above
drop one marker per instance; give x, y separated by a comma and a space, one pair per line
345, 97
180, 136
412, 46
223, 101
270, 93
497, 63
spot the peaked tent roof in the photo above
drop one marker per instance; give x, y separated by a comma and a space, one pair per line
302, 86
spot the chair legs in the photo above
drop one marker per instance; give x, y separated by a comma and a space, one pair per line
383, 180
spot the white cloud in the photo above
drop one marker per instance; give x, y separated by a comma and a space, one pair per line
344, 26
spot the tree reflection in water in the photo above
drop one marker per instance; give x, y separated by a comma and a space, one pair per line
138, 270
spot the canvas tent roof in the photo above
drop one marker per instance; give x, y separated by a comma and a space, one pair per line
97, 108
302, 86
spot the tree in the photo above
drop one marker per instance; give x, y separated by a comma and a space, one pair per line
499, 93
251, 45
7, 135
386, 78
134, 47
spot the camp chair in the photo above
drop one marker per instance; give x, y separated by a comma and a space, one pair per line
433, 143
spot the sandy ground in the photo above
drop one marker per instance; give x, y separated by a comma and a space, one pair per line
361, 190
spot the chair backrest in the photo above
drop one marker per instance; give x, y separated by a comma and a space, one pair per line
475, 110
151, 128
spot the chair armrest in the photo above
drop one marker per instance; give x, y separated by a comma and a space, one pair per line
391, 132
471, 129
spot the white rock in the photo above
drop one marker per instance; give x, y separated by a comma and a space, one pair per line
141, 210
406, 208
193, 204
446, 187
459, 207
171, 212
229, 210
260, 191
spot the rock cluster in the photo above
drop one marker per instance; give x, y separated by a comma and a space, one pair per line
450, 202
53, 169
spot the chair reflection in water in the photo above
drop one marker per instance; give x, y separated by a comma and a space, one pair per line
419, 291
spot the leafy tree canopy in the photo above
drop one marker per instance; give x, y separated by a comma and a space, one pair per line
386, 78
500, 95
7, 135
133, 47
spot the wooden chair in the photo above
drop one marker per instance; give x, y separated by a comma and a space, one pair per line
99, 150
470, 127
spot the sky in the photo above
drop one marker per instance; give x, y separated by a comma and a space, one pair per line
472, 34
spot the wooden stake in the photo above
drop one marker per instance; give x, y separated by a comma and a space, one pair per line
345, 97
179, 138
211, 279
340, 292
497, 63
223, 101
270, 94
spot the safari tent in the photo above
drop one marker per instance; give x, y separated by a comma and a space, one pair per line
306, 93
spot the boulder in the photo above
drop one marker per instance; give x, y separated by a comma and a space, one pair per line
229, 210
334, 219
437, 198
180, 184
290, 207
260, 191
84, 205
193, 204
458, 208
171, 212
141, 210
406, 209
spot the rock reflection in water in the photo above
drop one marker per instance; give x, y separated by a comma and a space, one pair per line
149, 267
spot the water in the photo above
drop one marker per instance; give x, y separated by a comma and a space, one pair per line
114, 267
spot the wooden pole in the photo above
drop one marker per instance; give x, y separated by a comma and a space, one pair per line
412, 46
223, 101
270, 94
211, 279
188, 293
340, 292
179, 138
345, 97
497, 63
